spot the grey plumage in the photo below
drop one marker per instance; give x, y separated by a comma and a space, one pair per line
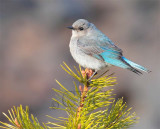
92, 49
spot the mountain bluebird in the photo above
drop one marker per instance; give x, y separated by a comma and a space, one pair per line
94, 50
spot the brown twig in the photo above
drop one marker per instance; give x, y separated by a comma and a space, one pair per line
87, 73
17, 124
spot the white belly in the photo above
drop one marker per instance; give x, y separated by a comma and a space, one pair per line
85, 60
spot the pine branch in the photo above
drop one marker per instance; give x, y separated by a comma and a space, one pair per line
92, 106
86, 74
19, 119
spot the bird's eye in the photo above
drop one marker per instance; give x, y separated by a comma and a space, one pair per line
81, 28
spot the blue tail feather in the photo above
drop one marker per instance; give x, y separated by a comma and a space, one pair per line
117, 60
134, 65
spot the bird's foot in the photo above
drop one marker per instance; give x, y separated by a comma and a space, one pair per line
89, 73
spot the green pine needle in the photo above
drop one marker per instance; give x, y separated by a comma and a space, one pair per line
96, 108
19, 119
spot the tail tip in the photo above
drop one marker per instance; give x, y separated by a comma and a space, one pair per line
135, 71
148, 71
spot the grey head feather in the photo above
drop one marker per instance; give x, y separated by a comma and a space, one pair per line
81, 23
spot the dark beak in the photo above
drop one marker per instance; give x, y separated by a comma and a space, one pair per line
70, 27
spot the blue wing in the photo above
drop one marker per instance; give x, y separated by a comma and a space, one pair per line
103, 49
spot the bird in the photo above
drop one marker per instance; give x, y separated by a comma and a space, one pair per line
92, 49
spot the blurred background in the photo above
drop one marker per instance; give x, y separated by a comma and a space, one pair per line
34, 42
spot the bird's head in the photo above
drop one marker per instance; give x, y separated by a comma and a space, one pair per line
81, 27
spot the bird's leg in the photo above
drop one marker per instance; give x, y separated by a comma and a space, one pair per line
95, 72
103, 73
